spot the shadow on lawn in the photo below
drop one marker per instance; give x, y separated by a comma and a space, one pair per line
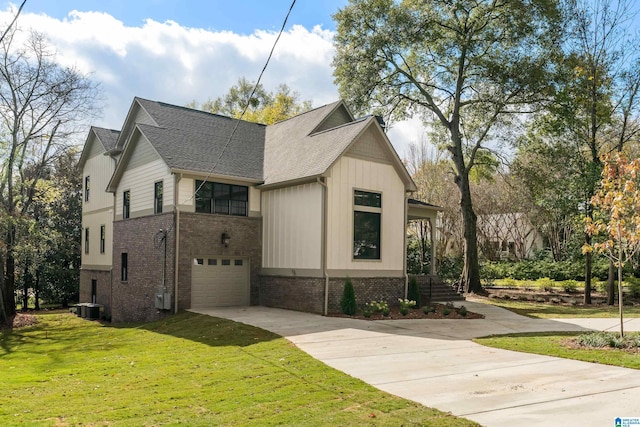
212, 331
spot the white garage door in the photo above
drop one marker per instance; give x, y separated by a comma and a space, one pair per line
219, 281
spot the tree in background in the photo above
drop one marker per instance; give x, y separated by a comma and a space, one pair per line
594, 110
466, 67
261, 107
617, 215
40, 104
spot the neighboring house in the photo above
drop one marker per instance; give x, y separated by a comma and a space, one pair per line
279, 215
508, 236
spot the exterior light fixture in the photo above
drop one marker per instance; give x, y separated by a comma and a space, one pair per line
225, 239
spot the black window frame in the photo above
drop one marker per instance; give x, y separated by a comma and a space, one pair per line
103, 233
86, 240
124, 266
221, 198
87, 184
126, 204
367, 225
157, 196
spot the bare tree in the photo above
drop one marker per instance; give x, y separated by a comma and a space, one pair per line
41, 103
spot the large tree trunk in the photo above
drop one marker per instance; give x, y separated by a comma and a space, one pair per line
471, 271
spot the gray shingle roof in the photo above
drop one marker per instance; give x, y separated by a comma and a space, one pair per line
107, 137
195, 151
192, 140
287, 151
292, 152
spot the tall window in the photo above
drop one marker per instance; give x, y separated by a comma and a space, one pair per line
86, 188
157, 197
126, 201
367, 212
124, 266
102, 238
224, 199
86, 240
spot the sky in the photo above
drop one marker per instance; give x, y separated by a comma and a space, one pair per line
178, 51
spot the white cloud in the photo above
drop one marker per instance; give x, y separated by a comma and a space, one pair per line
177, 64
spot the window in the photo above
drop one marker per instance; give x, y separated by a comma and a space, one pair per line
157, 197
366, 224
124, 266
86, 240
102, 238
212, 261
86, 188
126, 203
224, 199
198, 261
237, 262
226, 262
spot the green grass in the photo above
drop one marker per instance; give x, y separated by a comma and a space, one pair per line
551, 344
549, 310
188, 369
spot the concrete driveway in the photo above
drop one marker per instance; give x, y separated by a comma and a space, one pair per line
433, 362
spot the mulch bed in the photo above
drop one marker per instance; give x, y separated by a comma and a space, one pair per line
395, 314
20, 320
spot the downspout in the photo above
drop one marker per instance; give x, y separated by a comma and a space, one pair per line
323, 251
404, 245
177, 243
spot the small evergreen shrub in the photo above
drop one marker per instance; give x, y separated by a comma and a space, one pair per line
446, 311
428, 309
348, 301
570, 286
413, 293
462, 311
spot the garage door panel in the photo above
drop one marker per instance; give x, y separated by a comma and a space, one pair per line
219, 282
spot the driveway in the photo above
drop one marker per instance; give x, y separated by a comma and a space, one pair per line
433, 362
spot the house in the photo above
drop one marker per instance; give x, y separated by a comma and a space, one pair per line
187, 209
508, 236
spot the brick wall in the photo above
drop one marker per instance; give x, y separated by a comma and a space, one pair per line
103, 288
307, 293
293, 293
134, 300
367, 289
200, 234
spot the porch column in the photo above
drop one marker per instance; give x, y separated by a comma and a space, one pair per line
432, 233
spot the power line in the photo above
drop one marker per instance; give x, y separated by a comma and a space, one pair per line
14, 21
246, 107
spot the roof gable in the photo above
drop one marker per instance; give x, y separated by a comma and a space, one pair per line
99, 141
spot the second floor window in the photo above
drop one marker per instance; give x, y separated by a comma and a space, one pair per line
86, 188
86, 240
157, 197
126, 204
102, 238
224, 199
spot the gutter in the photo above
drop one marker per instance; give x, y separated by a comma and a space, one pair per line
177, 243
404, 245
323, 252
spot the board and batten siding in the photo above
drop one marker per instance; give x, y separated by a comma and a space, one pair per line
144, 169
349, 174
94, 259
292, 227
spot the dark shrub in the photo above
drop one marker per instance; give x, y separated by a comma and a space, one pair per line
348, 301
413, 293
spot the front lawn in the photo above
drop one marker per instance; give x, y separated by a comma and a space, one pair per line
556, 344
559, 310
189, 369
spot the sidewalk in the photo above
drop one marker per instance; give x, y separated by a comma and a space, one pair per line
433, 362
